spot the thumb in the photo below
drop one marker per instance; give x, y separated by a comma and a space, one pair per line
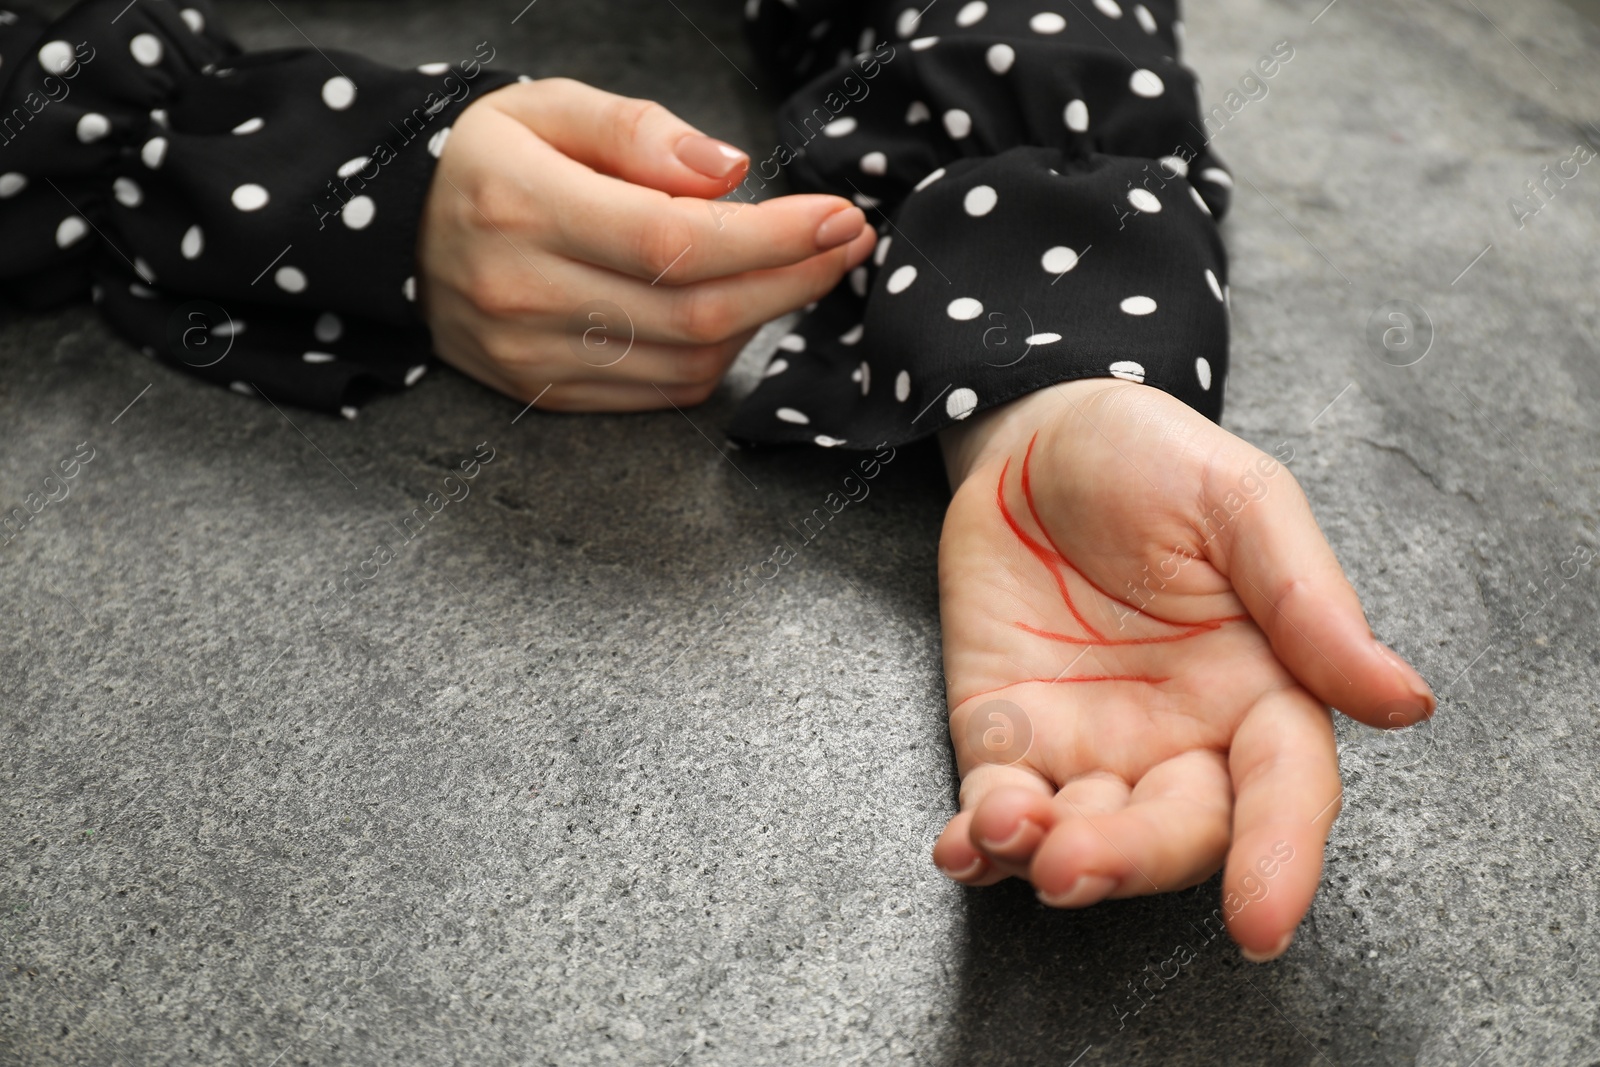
638, 141
1265, 540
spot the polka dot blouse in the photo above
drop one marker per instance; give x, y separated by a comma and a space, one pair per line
1039, 177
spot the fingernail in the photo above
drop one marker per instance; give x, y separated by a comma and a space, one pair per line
1011, 842
709, 156
1264, 957
1413, 681
840, 228
1088, 889
971, 870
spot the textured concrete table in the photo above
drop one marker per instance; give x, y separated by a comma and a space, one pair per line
531, 800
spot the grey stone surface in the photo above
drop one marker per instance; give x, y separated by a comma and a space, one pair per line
531, 801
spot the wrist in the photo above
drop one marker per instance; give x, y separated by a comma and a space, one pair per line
989, 437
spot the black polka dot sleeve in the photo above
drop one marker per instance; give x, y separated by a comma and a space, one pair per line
250, 218
1046, 200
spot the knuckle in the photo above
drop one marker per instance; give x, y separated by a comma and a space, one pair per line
634, 116
705, 316
660, 244
498, 294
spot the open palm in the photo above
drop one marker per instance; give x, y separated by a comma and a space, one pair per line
1143, 630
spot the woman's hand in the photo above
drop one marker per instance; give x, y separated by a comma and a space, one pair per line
572, 250
1143, 630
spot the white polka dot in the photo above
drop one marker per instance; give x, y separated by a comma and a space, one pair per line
980, 200
12, 183
316, 357
792, 342
1147, 21
143, 292
415, 373
799, 418
154, 152
250, 197
1060, 259
881, 253
1219, 176
867, 39
853, 335
865, 202
777, 366
1076, 116
290, 279
840, 127
1176, 165
194, 19
358, 213
1216, 287
863, 375
339, 92
1044, 339
922, 44
1138, 305
1202, 370
127, 192
1146, 83
1047, 22
57, 57
409, 289
1227, 296
858, 281
70, 231
158, 116
1000, 57
231, 328
929, 180
242, 388
350, 168
827, 442
1144, 200
902, 278
917, 113
908, 22
964, 309
146, 49
957, 123
902, 386
433, 68
1128, 371
249, 126
329, 328
960, 403
92, 127
349, 412
874, 163
142, 269
193, 243
972, 13
436, 142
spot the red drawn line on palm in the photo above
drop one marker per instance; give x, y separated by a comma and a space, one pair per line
1053, 559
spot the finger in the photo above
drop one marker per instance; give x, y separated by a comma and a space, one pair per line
1285, 772
620, 397
1010, 823
712, 311
638, 141
1289, 580
1172, 834
540, 358
677, 241
956, 852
